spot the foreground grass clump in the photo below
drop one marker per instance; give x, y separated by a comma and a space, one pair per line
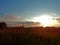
29, 36
22, 39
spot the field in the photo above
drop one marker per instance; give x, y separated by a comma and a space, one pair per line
30, 36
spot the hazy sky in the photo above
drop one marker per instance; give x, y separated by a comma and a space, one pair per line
18, 10
29, 7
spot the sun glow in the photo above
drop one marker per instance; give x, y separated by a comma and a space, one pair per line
45, 20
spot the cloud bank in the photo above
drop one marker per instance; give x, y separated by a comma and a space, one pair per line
15, 20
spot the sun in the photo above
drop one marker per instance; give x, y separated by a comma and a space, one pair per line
45, 20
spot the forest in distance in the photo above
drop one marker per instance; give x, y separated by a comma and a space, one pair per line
29, 36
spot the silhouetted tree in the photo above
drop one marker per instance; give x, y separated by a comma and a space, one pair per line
3, 25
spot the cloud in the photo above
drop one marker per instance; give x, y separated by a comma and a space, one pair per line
12, 18
15, 20
57, 19
25, 24
56, 22
33, 24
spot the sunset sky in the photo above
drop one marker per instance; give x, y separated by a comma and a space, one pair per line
16, 12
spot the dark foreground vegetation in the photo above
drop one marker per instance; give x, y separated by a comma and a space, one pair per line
29, 36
